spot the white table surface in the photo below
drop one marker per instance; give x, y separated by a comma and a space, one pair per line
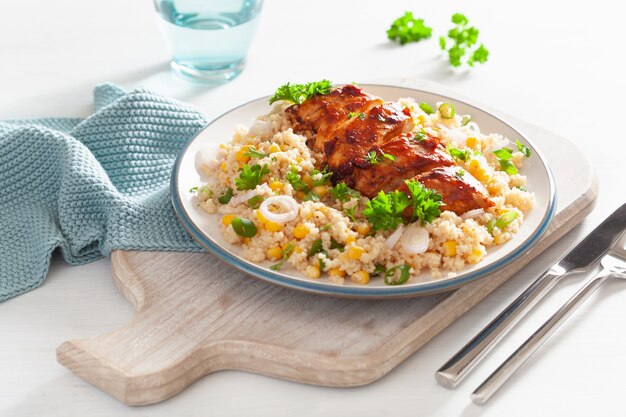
555, 64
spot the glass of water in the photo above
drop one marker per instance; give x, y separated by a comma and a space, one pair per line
209, 39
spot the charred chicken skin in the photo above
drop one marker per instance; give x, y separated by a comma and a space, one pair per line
371, 146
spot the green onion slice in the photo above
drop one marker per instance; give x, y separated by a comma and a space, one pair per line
244, 227
397, 275
447, 110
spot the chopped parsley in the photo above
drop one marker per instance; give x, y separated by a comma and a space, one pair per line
253, 153
374, 158
350, 213
461, 155
407, 29
463, 39
355, 114
193, 189
343, 193
525, 150
251, 176
336, 245
293, 177
421, 135
286, 253
297, 93
225, 198
460, 173
316, 247
324, 176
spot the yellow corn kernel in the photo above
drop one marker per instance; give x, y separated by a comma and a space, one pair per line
478, 171
246, 240
241, 156
273, 226
336, 272
355, 252
421, 118
228, 219
312, 271
350, 239
475, 256
363, 229
300, 231
223, 167
308, 180
360, 277
274, 253
300, 195
297, 249
274, 148
499, 239
299, 159
320, 190
470, 142
276, 185
222, 146
449, 248
260, 216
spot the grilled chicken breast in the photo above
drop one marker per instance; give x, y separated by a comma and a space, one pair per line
370, 145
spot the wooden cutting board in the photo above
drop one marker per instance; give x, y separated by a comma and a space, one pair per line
197, 315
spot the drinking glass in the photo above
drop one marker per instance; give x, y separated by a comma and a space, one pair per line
209, 39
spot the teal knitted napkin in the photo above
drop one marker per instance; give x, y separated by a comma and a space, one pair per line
90, 186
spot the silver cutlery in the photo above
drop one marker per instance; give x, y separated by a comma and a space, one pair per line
613, 266
581, 258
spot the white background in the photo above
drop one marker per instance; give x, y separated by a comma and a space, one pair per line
559, 65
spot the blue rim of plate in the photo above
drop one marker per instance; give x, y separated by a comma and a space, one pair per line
322, 288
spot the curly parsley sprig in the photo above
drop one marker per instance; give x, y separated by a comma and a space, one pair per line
297, 93
407, 29
463, 39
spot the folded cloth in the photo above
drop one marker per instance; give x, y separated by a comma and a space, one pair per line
90, 186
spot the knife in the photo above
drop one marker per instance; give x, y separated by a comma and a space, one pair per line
581, 258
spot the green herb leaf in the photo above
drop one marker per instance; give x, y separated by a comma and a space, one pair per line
316, 247
508, 167
397, 275
253, 153
297, 93
350, 213
462, 155
379, 269
460, 173
323, 179
466, 119
390, 157
421, 135
463, 38
293, 177
193, 189
372, 157
225, 198
425, 202
362, 116
525, 150
251, 176
255, 201
490, 225
336, 245
244, 227
385, 210
407, 29
343, 193
286, 253
322, 264
522, 188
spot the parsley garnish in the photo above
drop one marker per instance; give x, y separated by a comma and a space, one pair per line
407, 29
504, 155
463, 38
324, 179
225, 198
421, 135
385, 210
253, 153
522, 148
336, 245
297, 93
373, 157
293, 177
350, 213
359, 115
193, 189
251, 176
343, 193
460, 173
286, 253
316, 247
425, 202
462, 155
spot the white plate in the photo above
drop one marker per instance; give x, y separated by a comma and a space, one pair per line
205, 228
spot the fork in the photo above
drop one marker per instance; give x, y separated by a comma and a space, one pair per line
613, 266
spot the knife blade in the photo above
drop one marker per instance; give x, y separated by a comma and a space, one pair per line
581, 258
